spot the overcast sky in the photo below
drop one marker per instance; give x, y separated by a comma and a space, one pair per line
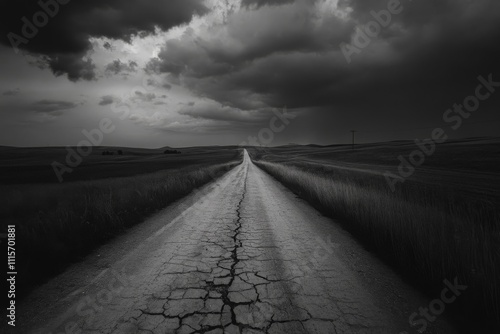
205, 72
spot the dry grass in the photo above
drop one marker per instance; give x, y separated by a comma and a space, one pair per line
428, 233
58, 224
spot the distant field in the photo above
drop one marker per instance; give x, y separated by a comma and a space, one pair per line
482, 153
59, 223
469, 166
442, 222
33, 165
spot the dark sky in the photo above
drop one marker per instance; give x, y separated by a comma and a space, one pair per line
203, 72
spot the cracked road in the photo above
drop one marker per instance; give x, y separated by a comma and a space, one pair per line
242, 255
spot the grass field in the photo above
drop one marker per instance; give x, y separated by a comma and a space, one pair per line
59, 223
442, 222
33, 165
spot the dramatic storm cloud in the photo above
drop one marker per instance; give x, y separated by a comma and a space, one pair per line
385, 68
60, 30
290, 54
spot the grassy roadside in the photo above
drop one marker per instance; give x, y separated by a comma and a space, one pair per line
58, 224
427, 232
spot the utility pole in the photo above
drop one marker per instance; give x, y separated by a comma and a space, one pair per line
353, 135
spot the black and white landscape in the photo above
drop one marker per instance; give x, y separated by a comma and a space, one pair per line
250, 166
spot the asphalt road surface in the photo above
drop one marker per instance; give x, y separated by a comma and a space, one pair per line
241, 255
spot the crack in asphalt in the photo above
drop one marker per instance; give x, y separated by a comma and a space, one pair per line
223, 293
214, 291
